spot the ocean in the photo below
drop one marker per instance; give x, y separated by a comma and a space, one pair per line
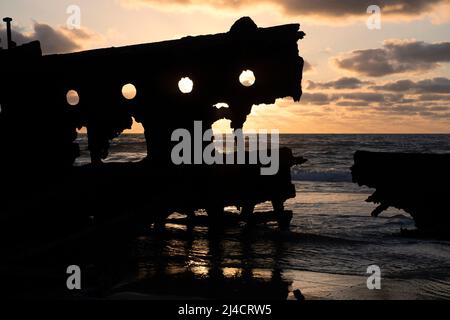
332, 239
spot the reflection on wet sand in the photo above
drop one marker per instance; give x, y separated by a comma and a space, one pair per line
179, 261
197, 262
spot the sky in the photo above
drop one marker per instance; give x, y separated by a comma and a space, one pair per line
359, 79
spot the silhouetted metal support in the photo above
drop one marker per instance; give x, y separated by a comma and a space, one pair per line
10, 43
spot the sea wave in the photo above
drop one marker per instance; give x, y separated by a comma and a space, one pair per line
323, 176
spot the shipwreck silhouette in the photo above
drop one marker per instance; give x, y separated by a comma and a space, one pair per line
408, 181
38, 128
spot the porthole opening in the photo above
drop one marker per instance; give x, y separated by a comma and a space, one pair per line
129, 91
186, 85
247, 78
72, 97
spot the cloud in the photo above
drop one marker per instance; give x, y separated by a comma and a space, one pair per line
396, 56
349, 103
352, 98
315, 98
53, 40
423, 99
434, 97
423, 110
307, 67
326, 8
435, 85
368, 97
342, 83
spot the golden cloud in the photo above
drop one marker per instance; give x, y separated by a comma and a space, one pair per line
331, 9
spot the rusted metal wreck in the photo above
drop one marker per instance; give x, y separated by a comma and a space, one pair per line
38, 127
414, 182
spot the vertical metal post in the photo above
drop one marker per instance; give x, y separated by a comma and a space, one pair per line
8, 31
